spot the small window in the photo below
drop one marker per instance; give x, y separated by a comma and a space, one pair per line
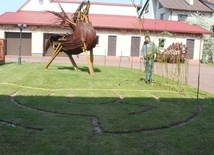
182, 17
161, 43
201, 14
212, 28
160, 5
147, 9
162, 16
98, 40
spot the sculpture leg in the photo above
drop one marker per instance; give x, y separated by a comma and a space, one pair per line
56, 52
92, 57
90, 65
89, 60
73, 62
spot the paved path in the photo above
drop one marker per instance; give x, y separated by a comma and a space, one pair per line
206, 77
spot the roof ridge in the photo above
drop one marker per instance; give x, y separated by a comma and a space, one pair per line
95, 3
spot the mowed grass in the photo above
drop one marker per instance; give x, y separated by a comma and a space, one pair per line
50, 111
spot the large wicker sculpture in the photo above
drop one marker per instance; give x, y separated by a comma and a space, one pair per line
174, 53
82, 39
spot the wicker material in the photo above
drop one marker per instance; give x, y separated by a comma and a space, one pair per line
82, 39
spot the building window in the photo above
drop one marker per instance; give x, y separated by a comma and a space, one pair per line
182, 17
147, 9
162, 16
160, 5
135, 46
98, 40
112, 45
212, 28
161, 42
201, 14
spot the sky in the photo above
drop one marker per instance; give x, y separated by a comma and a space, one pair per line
14, 5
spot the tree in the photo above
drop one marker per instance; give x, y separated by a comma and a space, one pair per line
206, 22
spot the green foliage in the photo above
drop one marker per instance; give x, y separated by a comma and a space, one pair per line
209, 46
205, 22
165, 33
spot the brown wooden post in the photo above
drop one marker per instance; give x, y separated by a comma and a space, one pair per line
92, 56
73, 62
56, 52
89, 60
2, 55
90, 66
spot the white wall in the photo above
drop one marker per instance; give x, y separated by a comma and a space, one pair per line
152, 10
198, 50
176, 13
155, 12
34, 5
101, 48
163, 11
37, 43
123, 42
2, 34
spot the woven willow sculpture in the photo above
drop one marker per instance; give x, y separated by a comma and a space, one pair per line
174, 53
82, 39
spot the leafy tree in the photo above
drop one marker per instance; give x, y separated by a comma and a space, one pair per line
206, 22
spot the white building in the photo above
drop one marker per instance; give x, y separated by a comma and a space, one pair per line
176, 9
117, 27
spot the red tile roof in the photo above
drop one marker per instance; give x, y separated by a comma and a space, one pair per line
183, 5
30, 18
103, 21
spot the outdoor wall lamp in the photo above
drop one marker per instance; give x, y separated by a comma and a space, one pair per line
21, 27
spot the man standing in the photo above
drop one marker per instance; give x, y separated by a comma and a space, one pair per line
147, 54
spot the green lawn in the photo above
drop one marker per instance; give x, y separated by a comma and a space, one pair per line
60, 111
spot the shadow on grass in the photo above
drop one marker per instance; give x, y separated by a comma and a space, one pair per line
9, 63
82, 69
107, 114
